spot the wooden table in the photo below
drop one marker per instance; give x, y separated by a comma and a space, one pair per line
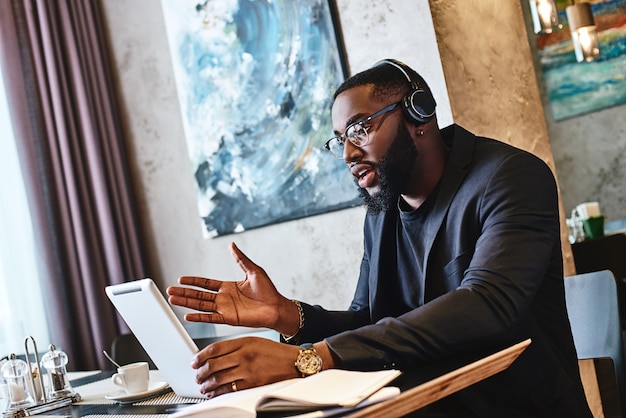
410, 399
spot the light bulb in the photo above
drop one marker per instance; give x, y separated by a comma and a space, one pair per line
544, 15
586, 44
583, 29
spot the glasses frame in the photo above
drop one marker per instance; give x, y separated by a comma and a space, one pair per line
342, 138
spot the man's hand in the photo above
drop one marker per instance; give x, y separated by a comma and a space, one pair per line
249, 362
251, 302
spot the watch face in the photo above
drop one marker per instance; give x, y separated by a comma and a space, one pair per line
309, 362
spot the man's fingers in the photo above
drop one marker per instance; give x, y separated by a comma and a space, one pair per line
202, 282
185, 292
217, 367
216, 387
203, 304
247, 265
213, 318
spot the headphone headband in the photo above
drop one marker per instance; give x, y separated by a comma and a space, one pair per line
419, 105
400, 66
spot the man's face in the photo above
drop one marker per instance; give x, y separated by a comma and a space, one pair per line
381, 167
393, 170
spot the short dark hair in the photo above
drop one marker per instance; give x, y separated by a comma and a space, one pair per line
387, 80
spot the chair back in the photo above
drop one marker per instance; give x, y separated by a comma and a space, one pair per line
593, 309
126, 349
605, 253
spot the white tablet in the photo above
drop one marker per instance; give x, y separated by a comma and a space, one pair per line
150, 317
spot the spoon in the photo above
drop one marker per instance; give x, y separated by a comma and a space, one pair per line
110, 358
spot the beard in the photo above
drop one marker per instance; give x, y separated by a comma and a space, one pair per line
394, 171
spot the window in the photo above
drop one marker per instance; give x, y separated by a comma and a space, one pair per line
21, 309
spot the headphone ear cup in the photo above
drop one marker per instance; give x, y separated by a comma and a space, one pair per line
419, 106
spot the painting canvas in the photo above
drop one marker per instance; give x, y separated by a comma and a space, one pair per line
255, 81
575, 88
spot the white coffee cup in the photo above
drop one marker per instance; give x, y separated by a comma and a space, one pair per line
133, 377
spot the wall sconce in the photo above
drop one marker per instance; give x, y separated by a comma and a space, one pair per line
544, 15
583, 29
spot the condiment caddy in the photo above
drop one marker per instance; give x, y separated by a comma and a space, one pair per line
26, 393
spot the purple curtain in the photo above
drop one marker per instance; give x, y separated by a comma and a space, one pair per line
71, 147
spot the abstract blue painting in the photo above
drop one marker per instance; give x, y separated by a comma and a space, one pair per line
575, 88
255, 80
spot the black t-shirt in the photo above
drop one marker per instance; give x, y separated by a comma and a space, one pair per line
410, 244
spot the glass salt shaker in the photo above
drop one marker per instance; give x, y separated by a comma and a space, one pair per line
54, 361
16, 374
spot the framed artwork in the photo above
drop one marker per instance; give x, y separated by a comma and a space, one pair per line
575, 88
255, 80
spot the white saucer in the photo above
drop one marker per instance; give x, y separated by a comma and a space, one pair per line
122, 396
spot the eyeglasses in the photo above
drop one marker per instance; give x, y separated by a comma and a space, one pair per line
355, 133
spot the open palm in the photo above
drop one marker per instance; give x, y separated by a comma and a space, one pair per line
252, 302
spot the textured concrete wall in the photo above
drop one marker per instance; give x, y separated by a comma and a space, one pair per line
492, 90
590, 157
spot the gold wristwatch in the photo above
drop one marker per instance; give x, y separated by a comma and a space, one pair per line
308, 361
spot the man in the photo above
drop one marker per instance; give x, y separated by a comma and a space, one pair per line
462, 253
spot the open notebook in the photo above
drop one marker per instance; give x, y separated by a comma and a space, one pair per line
152, 320
329, 393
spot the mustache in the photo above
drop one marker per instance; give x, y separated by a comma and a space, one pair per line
357, 165
370, 163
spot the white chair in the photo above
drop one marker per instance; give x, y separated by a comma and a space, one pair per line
593, 309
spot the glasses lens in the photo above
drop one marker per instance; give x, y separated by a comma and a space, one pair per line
357, 134
336, 147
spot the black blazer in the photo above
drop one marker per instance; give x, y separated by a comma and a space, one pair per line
493, 276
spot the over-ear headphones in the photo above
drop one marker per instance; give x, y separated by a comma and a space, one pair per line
418, 105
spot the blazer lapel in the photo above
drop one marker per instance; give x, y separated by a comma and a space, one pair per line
461, 143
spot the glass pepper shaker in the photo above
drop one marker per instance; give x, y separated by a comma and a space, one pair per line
16, 374
54, 361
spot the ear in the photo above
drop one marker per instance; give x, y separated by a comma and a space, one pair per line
424, 129
418, 130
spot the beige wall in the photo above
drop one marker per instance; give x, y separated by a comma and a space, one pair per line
489, 77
